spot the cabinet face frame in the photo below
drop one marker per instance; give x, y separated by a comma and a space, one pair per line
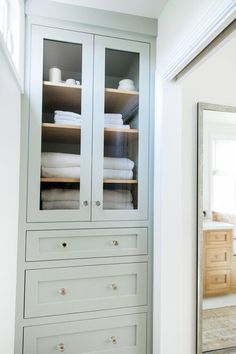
39, 34
143, 49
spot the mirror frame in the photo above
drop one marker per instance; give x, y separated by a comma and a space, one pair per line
201, 107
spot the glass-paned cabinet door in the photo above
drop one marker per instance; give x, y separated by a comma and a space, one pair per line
59, 183
121, 122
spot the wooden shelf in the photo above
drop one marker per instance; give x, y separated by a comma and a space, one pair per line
70, 134
60, 96
77, 180
121, 181
60, 180
120, 101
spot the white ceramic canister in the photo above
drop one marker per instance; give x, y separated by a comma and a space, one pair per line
54, 74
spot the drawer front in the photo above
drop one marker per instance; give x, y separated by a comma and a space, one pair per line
119, 335
218, 257
69, 244
217, 280
218, 237
80, 289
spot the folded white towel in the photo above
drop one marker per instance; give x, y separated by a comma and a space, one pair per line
60, 194
59, 159
64, 117
65, 172
113, 121
117, 196
69, 114
117, 126
118, 163
120, 206
68, 122
117, 174
112, 116
60, 204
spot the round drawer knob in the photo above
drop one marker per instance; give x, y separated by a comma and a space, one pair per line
85, 203
62, 291
98, 203
64, 245
114, 286
115, 243
61, 347
113, 340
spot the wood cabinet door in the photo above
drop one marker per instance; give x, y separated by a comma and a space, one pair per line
60, 125
120, 130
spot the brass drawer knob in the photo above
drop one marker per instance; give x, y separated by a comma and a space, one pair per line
113, 340
61, 347
115, 243
85, 203
98, 203
62, 291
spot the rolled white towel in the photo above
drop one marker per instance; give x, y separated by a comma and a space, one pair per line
60, 204
127, 126
120, 206
64, 172
117, 174
59, 159
68, 114
118, 163
118, 195
112, 116
60, 194
113, 121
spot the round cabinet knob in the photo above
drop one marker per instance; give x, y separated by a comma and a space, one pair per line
85, 203
98, 203
61, 347
114, 286
62, 291
64, 245
113, 340
115, 243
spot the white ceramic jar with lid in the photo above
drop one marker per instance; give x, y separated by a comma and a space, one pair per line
55, 74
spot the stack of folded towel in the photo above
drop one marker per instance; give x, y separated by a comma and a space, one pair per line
114, 120
56, 164
67, 118
58, 198
117, 199
117, 168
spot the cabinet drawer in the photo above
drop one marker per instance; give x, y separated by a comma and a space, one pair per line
218, 237
69, 244
217, 257
79, 289
120, 335
217, 280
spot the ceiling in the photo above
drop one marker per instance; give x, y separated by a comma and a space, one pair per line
147, 8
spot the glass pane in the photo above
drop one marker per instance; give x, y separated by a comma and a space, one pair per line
121, 127
61, 126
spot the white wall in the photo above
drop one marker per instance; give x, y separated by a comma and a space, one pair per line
9, 191
184, 28
212, 82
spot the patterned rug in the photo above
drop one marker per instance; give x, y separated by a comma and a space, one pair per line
219, 329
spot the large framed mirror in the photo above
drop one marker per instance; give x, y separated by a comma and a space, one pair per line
216, 229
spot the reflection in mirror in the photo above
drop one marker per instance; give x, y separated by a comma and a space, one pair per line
217, 228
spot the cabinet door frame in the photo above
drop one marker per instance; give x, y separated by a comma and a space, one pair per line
143, 49
34, 214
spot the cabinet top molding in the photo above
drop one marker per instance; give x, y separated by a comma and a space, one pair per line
90, 16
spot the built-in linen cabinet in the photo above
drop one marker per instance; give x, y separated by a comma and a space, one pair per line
89, 154
86, 230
